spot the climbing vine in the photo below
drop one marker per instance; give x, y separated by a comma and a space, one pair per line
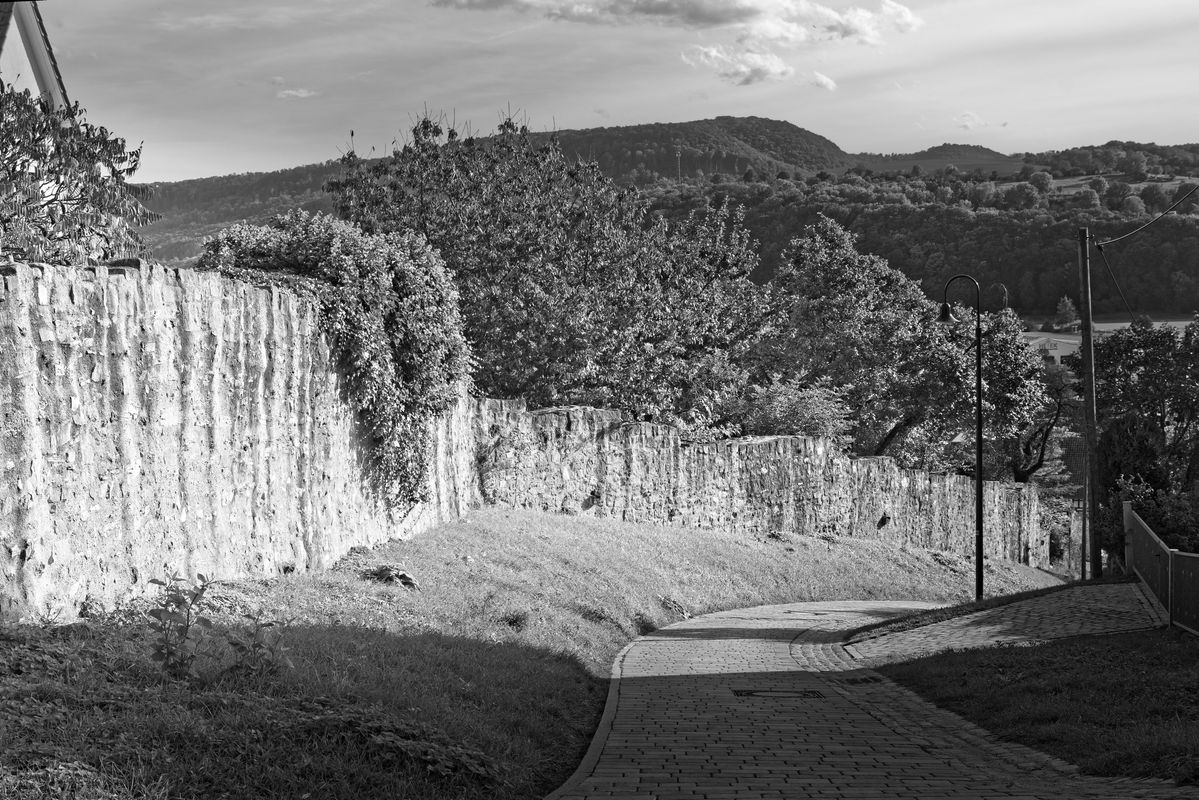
390, 310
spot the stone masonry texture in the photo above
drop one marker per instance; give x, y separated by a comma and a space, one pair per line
586, 460
155, 421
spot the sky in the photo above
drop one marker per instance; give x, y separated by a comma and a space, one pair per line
229, 86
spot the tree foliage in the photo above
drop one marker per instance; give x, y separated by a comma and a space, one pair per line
64, 191
1147, 396
570, 291
391, 312
849, 322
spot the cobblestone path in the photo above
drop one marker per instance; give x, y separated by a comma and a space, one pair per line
767, 703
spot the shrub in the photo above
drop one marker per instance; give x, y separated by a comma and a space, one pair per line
391, 312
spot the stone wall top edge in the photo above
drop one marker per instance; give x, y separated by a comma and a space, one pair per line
145, 271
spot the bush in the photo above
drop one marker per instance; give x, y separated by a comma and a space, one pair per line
391, 312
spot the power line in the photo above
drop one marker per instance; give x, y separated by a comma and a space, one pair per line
1150, 222
1115, 282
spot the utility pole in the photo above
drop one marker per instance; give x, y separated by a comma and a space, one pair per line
1090, 423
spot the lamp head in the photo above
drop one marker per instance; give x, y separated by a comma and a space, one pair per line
946, 315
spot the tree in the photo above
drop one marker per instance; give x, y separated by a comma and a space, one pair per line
1154, 197
1135, 167
1041, 181
1027, 452
1066, 316
570, 291
1192, 201
64, 191
1147, 385
1021, 196
1132, 205
849, 322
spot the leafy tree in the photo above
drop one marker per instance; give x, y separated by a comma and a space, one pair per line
1027, 452
1154, 197
1192, 200
570, 291
64, 193
849, 322
1021, 196
1147, 392
1067, 314
1135, 167
1132, 205
1041, 181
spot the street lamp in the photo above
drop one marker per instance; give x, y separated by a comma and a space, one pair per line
947, 317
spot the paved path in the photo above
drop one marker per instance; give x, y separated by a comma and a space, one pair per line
767, 703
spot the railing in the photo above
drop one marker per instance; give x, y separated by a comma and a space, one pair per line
1171, 576
1185, 613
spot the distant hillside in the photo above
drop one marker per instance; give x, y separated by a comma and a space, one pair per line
966, 157
725, 145
717, 149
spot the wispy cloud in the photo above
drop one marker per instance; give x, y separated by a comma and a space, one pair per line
824, 81
742, 67
969, 121
759, 31
300, 94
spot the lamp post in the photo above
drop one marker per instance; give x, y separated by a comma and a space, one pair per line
947, 316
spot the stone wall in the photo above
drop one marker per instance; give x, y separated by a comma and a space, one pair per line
156, 420
586, 460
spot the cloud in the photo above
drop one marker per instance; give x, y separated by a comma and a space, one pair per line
299, 94
741, 67
968, 120
824, 81
758, 30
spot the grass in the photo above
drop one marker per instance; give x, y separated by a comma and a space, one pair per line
1121, 705
934, 615
488, 681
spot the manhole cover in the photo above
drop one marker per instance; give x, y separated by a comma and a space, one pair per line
777, 693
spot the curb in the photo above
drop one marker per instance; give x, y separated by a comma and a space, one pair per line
599, 739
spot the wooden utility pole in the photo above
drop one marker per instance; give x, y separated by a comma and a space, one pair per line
1090, 423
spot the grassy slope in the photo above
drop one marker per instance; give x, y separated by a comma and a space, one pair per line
1122, 705
493, 673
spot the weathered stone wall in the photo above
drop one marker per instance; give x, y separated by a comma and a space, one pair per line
586, 460
157, 420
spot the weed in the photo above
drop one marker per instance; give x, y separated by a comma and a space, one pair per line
180, 630
183, 636
259, 649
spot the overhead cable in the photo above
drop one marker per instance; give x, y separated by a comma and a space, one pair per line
1150, 222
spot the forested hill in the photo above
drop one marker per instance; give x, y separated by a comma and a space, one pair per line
728, 145
712, 149
951, 208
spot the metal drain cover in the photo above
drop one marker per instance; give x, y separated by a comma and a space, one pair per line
777, 693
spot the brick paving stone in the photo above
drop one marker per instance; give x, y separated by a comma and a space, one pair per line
768, 703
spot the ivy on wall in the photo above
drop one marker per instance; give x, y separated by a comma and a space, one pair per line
390, 310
